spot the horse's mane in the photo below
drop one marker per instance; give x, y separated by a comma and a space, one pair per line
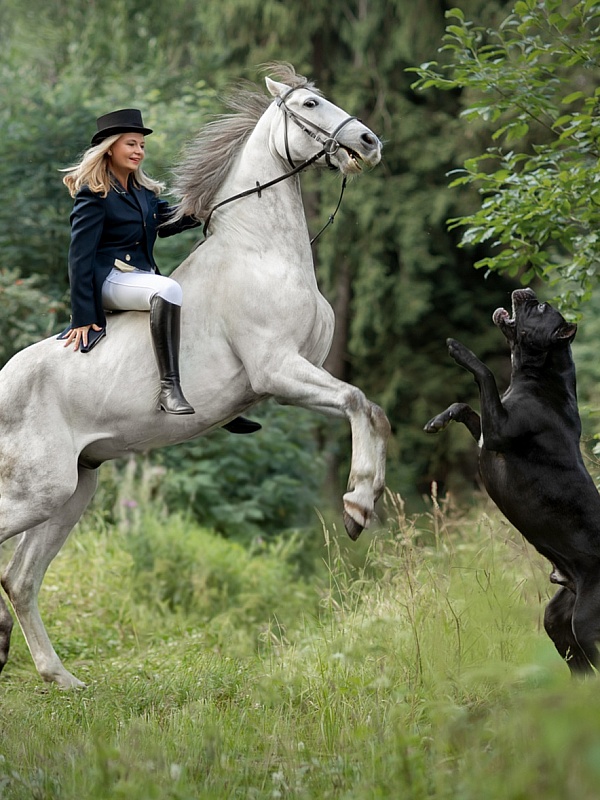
208, 158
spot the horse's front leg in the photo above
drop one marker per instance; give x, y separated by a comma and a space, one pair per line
296, 381
370, 431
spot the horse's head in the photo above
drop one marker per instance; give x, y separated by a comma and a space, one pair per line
309, 124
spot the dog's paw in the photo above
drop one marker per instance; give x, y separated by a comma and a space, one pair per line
462, 355
437, 424
457, 412
457, 350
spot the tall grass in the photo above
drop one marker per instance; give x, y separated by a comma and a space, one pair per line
413, 665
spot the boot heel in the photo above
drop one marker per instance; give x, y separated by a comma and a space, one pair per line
172, 400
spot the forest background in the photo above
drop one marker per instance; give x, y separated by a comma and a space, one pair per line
400, 279
265, 662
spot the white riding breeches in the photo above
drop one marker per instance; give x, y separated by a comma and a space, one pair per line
133, 291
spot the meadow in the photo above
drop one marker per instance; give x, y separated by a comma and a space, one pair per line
412, 664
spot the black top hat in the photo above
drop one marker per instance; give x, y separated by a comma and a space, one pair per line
126, 120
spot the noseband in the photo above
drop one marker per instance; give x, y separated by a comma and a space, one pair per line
330, 146
330, 143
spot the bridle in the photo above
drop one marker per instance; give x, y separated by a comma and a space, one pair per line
330, 143
330, 146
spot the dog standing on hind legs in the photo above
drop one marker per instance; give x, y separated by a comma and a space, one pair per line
531, 465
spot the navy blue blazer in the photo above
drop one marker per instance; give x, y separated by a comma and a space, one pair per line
122, 225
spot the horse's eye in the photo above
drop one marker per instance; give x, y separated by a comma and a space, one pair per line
310, 103
542, 307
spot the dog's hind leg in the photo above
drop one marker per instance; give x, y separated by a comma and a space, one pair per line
558, 623
459, 412
586, 626
572, 621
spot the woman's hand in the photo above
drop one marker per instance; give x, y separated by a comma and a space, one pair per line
79, 336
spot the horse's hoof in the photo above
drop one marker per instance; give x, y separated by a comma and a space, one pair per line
353, 529
64, 680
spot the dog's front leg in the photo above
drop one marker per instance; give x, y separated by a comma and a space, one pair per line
493, 413
460, 412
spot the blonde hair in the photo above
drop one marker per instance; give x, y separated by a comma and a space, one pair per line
93, 171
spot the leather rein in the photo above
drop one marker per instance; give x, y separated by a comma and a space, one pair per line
330, 146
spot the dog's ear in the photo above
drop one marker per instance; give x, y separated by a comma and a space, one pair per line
566, 331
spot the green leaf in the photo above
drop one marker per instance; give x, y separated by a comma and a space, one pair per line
570, 98
521, 8
455, 12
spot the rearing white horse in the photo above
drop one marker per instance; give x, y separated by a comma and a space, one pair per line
254, 325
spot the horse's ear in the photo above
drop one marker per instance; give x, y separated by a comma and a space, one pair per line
275, 88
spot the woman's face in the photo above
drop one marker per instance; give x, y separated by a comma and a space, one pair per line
127, 153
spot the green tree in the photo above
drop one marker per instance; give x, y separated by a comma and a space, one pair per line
255, 488
532, 81
389, 265
27, 313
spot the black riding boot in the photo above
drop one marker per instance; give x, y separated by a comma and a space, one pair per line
164, 326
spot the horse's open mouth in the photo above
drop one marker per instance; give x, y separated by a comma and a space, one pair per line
354, 157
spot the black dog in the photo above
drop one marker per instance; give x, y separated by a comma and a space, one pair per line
532, 468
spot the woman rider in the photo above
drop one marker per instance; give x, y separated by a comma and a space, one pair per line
116, 217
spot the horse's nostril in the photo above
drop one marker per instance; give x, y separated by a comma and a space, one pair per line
369, 139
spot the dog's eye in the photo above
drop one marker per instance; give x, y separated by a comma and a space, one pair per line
542, 307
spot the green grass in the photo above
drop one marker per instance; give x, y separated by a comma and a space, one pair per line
411, 665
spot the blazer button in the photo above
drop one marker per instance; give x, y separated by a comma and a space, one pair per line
154, 215
127, 257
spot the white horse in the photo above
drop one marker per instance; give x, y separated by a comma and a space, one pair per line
254, 325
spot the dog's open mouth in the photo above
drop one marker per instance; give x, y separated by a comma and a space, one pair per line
502, 318
519, 296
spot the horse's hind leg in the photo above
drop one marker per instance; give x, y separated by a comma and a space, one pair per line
24, 575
